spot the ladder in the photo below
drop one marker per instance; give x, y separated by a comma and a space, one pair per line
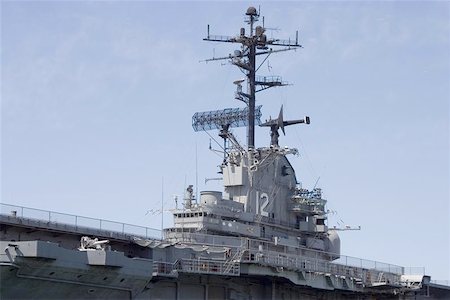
236, 258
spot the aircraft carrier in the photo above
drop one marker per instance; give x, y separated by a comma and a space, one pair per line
263, 237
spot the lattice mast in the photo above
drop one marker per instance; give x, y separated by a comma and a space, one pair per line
254, 44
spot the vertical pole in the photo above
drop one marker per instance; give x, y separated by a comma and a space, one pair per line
251, 80
224, 149
162, 206
196, 173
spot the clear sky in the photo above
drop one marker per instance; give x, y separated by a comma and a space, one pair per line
97, 100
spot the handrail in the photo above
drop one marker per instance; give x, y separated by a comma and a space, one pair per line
293, 262
441, 282
17, 211
311, 253
209, 266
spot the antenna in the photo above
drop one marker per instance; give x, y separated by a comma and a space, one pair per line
231, 117
162, 207
196, 173
281, 123
224, 120
175, 198
317, 181
254, 44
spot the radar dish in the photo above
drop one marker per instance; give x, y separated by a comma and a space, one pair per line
251, 11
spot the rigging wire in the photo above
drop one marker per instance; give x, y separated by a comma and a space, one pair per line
263, 61
215, 151
309, 161
215, 140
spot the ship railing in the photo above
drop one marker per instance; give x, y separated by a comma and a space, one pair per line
257, 246
306, 208
369, 264
208, 266
270, 247
313, 194
308, 264
206, 239
161, 268
269, 80
22, 215
200, 265
441, 282
308, 201
414, 270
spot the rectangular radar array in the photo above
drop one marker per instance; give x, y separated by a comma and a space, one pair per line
216, 119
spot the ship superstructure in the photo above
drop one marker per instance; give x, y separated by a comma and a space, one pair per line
262, 198
263, 237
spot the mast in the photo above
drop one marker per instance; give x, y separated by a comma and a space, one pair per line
251, 12
254, 44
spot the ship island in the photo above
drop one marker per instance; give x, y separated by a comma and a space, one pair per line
264, 236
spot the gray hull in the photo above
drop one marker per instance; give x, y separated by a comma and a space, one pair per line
16, 286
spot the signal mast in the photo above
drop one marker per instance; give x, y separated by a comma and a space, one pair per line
254, 44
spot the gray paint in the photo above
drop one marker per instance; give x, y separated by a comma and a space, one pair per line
263, 237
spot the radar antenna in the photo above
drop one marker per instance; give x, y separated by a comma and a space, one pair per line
231, 117
254, 44
224, 120
280, 123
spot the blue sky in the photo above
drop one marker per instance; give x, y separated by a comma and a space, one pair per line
97, 100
